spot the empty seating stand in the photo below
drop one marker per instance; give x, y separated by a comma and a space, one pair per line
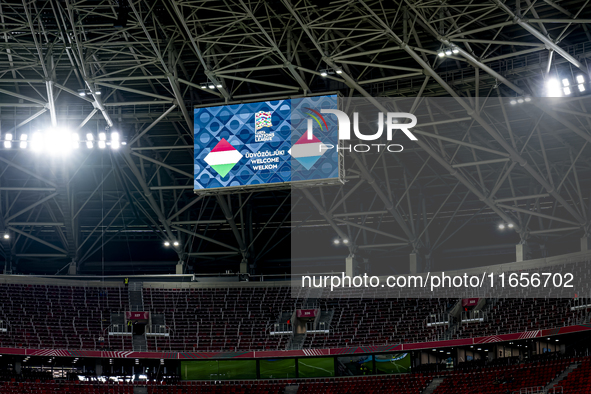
60, 317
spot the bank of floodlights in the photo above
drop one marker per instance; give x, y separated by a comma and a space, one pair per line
60, 141
565, 86
520, 100
448, 52
329, 71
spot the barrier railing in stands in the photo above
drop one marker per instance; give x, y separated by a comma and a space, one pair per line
531, 390
159, 330
473, 316
118, 329
281, 329
438, 319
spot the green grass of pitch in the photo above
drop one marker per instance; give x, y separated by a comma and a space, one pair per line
316, 367
277, 368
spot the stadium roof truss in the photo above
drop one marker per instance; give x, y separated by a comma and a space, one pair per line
143, 65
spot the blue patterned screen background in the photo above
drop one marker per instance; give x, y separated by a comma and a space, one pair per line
236, 124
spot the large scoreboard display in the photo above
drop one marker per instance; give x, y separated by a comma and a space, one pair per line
264, 144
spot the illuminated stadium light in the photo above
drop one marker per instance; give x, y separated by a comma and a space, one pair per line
23, 144
97, 92
8, 141
441, 54
448, 52
346, 241
218, 86
81, 92
323, 73
211, 86
527, 99
339, 71
57, 141
553, 88
455, 51
580, 79
565, 82
115, 140
581, 88
336, 241
89, 139
510, 225
6, 236
502, 226
176, 243
567, 91
166, 243
520, 100
102, 144
513, 102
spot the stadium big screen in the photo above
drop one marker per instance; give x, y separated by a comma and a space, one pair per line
270, 143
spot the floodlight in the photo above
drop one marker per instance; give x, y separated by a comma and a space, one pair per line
102, 136
102, 144
513, 102
23, 143
6, 236
448, 52
510, 225
218, 86
336, 241
553, 88
441, 54
81, 92
115, 140
455, 51
339, 71
323, 73
166, 243
528, 99
346, 241
581, 88
565, 82
580, 79
58, 141
211, 86
567, 91
501, 226
176, 243
97, 92
8, 141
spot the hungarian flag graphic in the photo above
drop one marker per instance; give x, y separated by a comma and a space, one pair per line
223, 157
307, 151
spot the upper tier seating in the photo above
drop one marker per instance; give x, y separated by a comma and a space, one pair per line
61, 317
230, 319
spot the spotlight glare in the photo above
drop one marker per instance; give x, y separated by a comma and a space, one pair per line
166, 243
441, 54
580, 79
58, 141
513, 102
567, 91
528, 99
501, 226
102, 144
218, 86
448, 52
456, 51
211, 86
75, 141
81, 92
8, 137
336, 241
37, 141
8, 141
553, 88
346, 241
89, 144
581, 88
90, 137
323, 73
176, 243
6, 236
565, 82
520, 101
102, 136
510, 225
339, 71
